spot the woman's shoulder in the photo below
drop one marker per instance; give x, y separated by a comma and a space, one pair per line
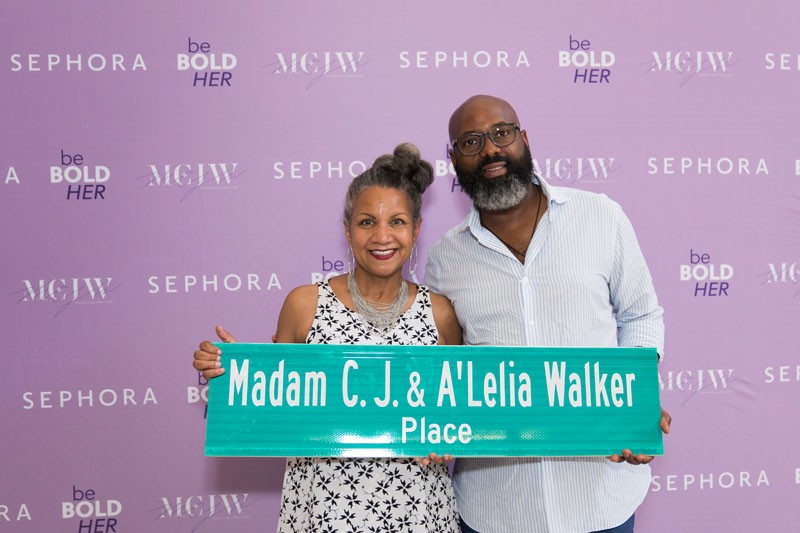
442, 307
304, 290
297, 313
446, 320
303, 296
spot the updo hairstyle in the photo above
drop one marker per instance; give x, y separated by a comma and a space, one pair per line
403, 170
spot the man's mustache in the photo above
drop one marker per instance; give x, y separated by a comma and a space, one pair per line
494, 159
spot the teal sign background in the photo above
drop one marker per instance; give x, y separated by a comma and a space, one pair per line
519, 401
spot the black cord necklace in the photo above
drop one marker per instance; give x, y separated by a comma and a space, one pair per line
535, 224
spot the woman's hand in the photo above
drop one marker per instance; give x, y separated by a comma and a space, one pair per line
207, 356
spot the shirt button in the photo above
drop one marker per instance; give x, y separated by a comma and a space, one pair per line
531, 323
524, 280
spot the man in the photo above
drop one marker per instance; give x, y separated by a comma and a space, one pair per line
537, 265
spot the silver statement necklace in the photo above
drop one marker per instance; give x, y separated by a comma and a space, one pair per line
379, 315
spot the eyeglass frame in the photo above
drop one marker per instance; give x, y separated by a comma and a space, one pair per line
483, 140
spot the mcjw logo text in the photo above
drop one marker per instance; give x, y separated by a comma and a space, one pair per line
92, 289
216, 175
333, 64
689, 64
703, 62
783, 272
211, 505
696, 380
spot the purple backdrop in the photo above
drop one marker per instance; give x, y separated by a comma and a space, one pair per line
167, 166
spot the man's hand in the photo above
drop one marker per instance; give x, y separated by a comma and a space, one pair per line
666, 421
432, 458
628, 456
206, 357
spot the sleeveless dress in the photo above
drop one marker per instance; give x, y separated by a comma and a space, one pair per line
367, 495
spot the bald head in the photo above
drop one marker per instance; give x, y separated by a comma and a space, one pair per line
480, 109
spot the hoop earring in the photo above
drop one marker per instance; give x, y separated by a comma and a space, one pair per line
351, 259
412, 264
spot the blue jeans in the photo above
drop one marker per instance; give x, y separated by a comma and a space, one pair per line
626, 527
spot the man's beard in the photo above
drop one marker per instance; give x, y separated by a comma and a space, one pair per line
504, 192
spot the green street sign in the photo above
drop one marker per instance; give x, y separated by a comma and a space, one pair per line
324, 400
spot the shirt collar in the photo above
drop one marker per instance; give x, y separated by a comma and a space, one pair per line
555, 195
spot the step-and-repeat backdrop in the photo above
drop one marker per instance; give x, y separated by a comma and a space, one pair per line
169, 166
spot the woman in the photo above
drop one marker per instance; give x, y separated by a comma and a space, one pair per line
372, 304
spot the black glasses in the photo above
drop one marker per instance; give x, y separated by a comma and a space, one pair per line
500, 134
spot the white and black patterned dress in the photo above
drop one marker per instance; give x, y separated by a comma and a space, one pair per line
367, 495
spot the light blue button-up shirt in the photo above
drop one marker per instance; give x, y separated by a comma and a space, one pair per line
584, 283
